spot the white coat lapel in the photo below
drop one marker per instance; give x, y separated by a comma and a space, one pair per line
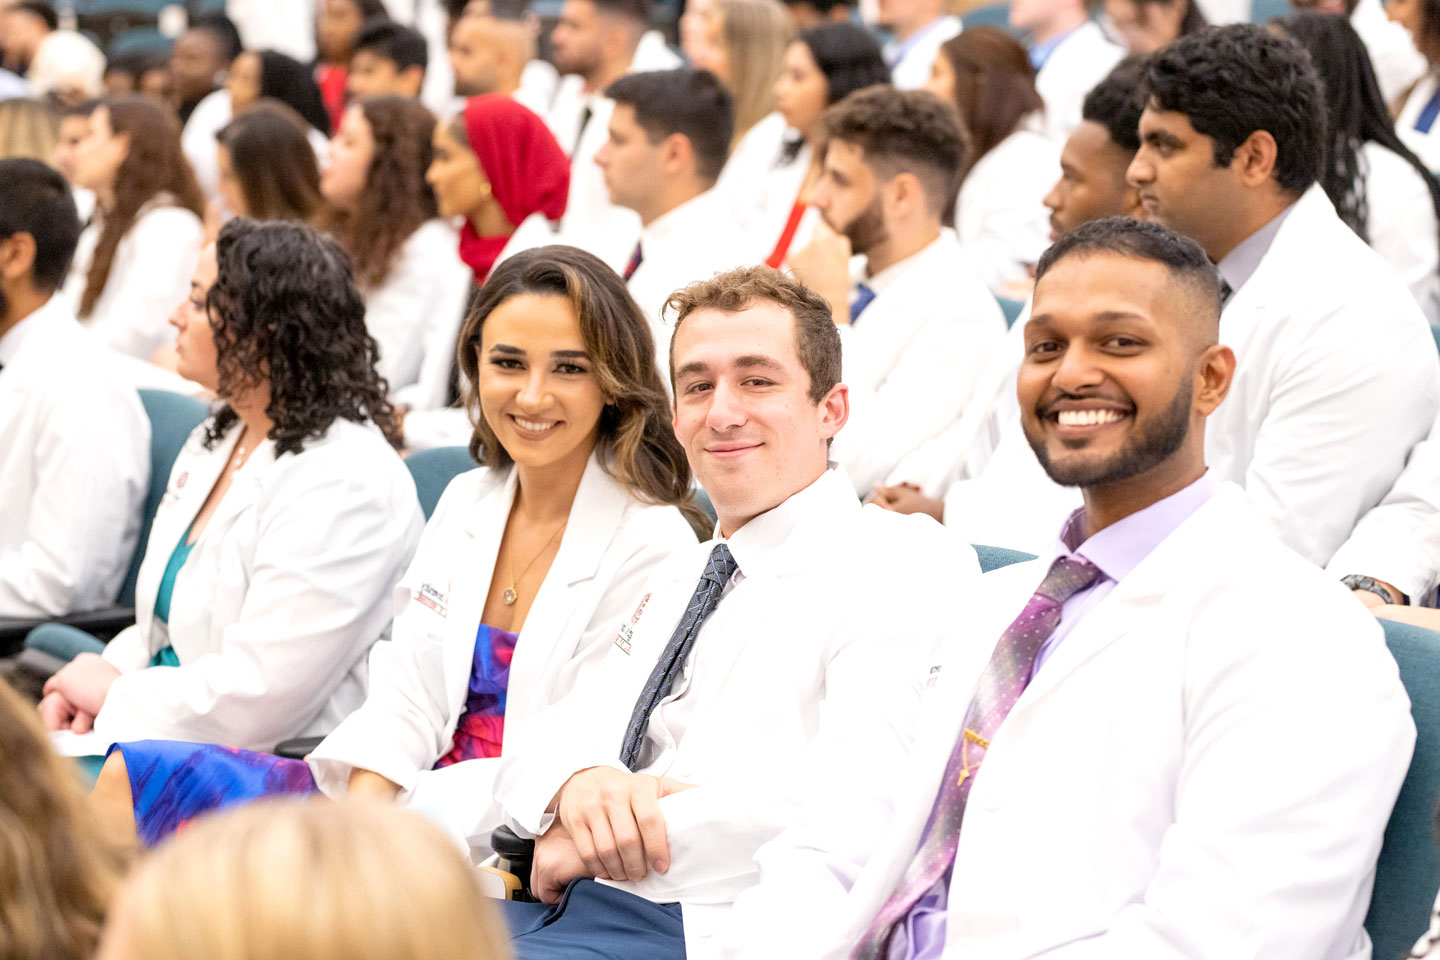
556, 620
484, 525
244, 486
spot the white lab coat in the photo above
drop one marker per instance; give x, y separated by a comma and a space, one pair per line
783, 682
285, 591
1000, 216
914, 357
1329, 344
1392, 53
1398, 541
762, 207
694, 241
420, 677
912, 70
416, 310
1073, 68
287, 27
1402, 224
1176, 782
74, 468
198, 139
149, 276
1425, 145
757, 153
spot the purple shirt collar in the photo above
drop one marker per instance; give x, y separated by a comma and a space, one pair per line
1119, 548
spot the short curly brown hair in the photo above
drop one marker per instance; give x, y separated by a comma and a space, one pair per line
905, 131
817, 342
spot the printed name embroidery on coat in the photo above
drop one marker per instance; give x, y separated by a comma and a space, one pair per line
627, 630
434, 599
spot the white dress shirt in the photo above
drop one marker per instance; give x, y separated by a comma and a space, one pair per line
1000, 216
693, 242
914, 356
74, 468
149, 276
1074, 67
804, 663
910, 59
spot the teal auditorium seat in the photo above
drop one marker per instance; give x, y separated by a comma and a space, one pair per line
1011, 309
1262, 12
991, 15
1408, 875
433, 470
172, 417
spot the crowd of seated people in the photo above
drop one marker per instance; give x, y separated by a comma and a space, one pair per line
595, 463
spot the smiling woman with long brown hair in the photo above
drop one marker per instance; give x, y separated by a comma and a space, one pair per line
135, 258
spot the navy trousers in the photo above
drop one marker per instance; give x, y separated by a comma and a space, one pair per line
594, 921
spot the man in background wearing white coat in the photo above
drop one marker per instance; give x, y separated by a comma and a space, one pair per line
1070, 54
919, 28
917, 320
1171, 777
669, 137
74, 440
691, 742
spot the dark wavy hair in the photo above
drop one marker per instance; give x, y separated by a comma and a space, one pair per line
635, 441
273, 162
994, 87
396, 199
1357, 113
293, 84
155, 167
1234, 80
285, 311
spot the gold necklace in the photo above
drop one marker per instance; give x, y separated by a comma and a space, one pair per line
510, 596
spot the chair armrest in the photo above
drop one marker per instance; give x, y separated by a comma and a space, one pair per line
103, 624
498, 884
13, 631
29, 670
515, 855
298, 748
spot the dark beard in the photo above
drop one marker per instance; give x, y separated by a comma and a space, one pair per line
1157, 443
867, 230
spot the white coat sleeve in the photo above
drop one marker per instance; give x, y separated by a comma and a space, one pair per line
1390, 542
1340, 424
921, 396
326, 548
82, 523
401, 727
148, 279
418, 307
1268, 852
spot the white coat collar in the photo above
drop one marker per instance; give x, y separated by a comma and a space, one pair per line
1289, 253
928, 259
781, 540
692, 219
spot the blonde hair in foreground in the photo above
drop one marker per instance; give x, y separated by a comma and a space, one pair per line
56, 875
306, 878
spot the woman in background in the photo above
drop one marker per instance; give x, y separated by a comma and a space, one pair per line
1377, 184
383, 213
267, 166
256, 75
1000, 218
821, 67
28, 128
744, 46
292, 879
134, 260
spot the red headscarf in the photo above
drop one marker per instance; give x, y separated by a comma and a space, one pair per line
527, 170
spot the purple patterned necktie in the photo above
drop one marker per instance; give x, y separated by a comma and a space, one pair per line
1004, 679
636, 258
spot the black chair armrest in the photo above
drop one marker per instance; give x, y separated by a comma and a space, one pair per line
516, 854
298, 748
103, 624
28, 671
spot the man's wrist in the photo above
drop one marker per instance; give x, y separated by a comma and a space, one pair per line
1385, 591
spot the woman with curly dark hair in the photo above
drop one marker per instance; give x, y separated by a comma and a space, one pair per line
582, 492
287, 521
382, 211
134, 259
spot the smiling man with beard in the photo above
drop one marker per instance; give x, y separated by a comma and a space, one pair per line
1149, 760
916, 320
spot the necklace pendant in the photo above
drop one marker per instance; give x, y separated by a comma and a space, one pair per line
508, 596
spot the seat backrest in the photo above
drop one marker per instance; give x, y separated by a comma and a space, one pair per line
434, 469
172, 418
993, 558
1408, 874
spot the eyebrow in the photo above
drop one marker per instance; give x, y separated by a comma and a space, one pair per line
749, 361
1104, 316
1163, 137
518, 352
